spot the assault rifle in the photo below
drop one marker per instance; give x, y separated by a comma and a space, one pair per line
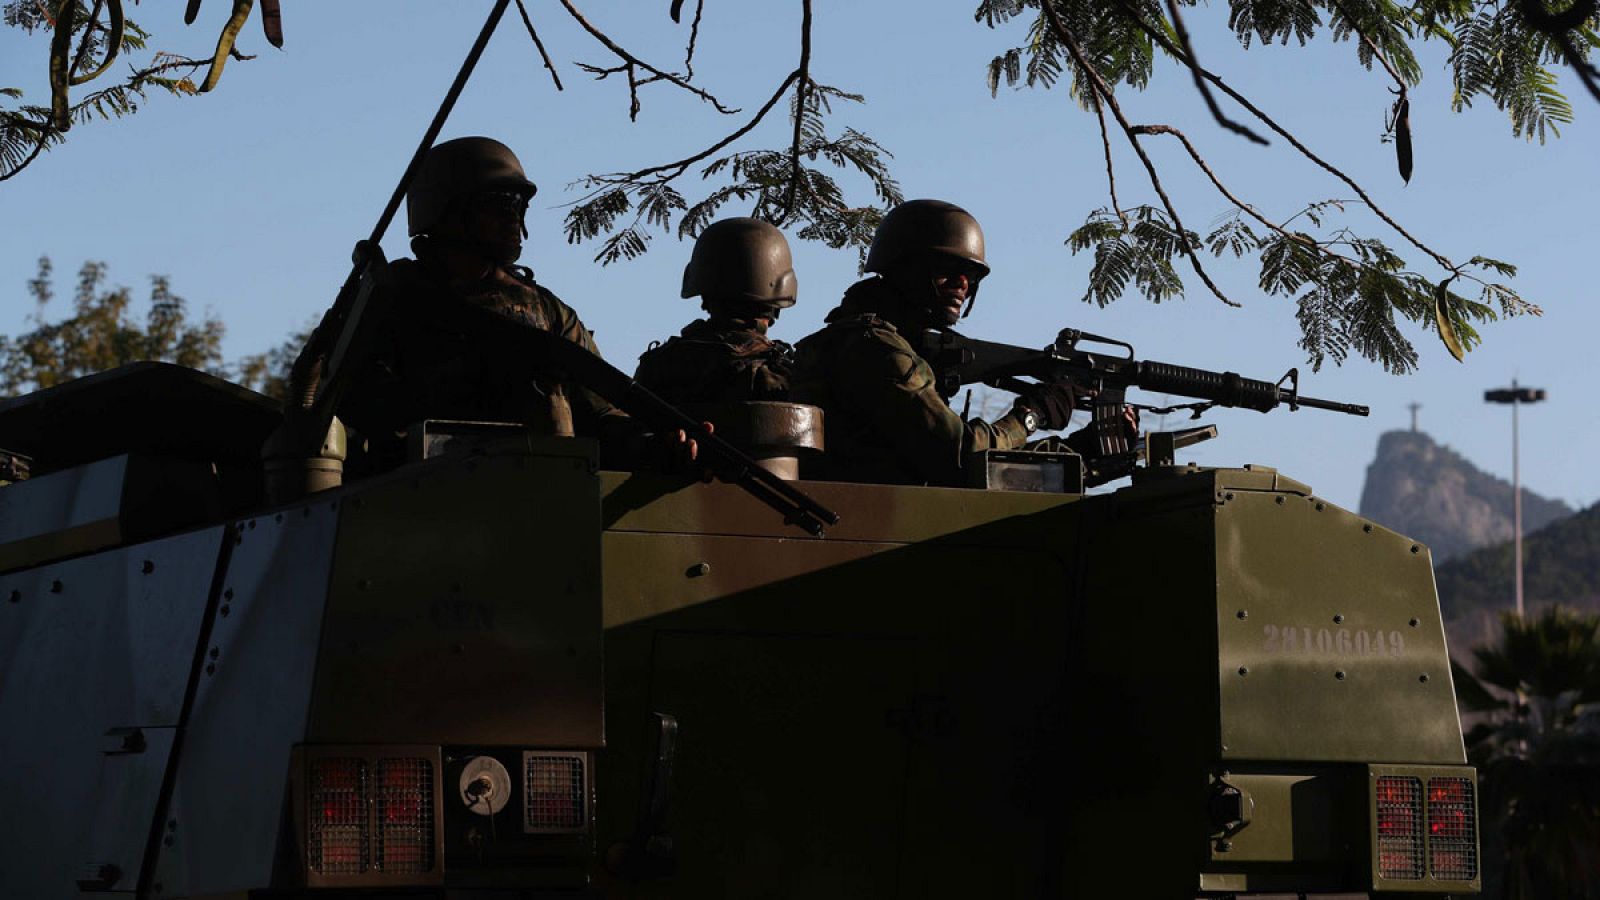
959, 360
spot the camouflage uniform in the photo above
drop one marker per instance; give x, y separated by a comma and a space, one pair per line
415, 370
886, 422
718, 362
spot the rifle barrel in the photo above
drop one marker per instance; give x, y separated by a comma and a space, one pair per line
1353, 409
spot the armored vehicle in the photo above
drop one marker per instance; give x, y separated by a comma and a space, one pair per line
499, 671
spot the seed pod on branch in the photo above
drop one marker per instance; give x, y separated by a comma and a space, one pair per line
230, 33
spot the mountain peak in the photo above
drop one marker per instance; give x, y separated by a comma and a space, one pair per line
1427, 491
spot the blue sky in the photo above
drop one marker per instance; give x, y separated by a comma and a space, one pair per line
251, 197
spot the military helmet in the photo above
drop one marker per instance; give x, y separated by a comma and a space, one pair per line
456, 168
743, 260
918, 229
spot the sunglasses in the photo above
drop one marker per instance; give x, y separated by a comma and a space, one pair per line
509, 202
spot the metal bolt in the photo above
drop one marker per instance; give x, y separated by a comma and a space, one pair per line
1228, 496
1415, 549
1367, 528
224, 610
167, 840
278, 518
1320, 507
211, 669
1243, 671
148, 567
252, 524
1415, 622
1224, 846
227, 594
1423, 678
56, 586
215, 652
1244, 614
699, 569
16, 596
1339, 675
1338, 619
1280, 501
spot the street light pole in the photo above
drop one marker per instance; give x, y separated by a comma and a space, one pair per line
1516, 396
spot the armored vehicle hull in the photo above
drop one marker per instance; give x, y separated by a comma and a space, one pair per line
508, 673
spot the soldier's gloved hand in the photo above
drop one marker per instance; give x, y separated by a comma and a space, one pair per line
682, 452
1085, 443
1051, 405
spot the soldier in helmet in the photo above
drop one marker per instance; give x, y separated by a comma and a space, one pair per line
742, 273
465, 210
886, 420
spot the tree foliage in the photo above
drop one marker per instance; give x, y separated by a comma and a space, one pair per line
86, 40
783, 185
1537, 749
103, 332
1352, 291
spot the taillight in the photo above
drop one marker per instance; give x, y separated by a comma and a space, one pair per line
1399, 808
404, 816
1452, 831
336, 833
370, 815
555, 792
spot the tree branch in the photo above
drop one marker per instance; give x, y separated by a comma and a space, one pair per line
44, 138
1111, 175
1555, 26
1377, 52
1200, 84
539, 44
678, 167
631, 62
694, 37
802, 85
88, 36
1366, 199
1104, 90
